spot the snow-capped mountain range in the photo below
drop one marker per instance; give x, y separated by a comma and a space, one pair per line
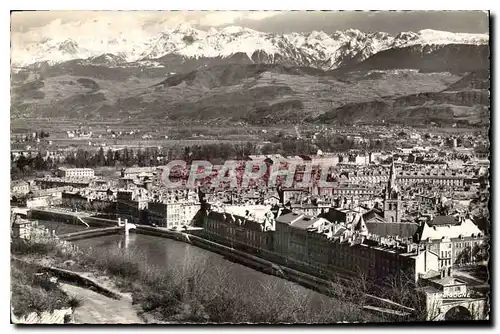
316, 49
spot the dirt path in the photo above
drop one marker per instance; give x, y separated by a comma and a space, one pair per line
99, 309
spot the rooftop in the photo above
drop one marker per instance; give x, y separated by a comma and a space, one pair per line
289, 218
448, 281
18, 183
444, 220
466, 229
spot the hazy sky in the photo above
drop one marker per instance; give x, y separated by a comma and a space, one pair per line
34, 26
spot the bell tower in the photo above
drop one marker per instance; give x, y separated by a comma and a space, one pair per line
392, 204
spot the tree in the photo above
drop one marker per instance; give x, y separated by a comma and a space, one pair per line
109, 158
481, 252
401, 288
100, 160
125, 157
49, 163
39, 164
21, 161
117, 156
81, 158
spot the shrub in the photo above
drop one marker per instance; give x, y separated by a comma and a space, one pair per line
74, 302
33, 293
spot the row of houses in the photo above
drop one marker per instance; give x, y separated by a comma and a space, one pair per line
321, 247
140, 209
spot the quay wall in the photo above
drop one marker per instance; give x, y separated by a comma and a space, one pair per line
266, 263
90, 233
70, 218
263, 265
54, 216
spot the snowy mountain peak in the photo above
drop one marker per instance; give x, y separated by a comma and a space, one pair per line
184, 28
236, 30
316, 49
445, 37
69, 46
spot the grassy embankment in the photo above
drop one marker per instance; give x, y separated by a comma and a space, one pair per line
31, 289
166, 295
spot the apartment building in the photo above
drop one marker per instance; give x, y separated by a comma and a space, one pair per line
172, 214
431, 177
456, 241
76, 172
130, 205
54, 182
247, 231
321, 248
19, 188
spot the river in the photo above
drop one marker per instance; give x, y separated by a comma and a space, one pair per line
179, 256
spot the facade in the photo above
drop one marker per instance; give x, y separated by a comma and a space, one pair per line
449, 298
42, 201
21, 229
54, 182
308, 209
244, 232
129, 206
340, 215
133, 172
355, 191
172, 214
76, 172
293, 240
442, 178
77, 201
19, 188
292, 194
325, 249
456, 243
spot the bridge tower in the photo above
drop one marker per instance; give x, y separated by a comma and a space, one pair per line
126, 226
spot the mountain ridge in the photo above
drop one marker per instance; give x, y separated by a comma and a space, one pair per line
315, 49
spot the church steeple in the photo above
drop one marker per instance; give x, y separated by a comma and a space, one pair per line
391, 202
391, 190
392, 176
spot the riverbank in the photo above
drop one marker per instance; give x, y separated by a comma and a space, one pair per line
164, 295
337, 287
36, 298
43, 292
329, 284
